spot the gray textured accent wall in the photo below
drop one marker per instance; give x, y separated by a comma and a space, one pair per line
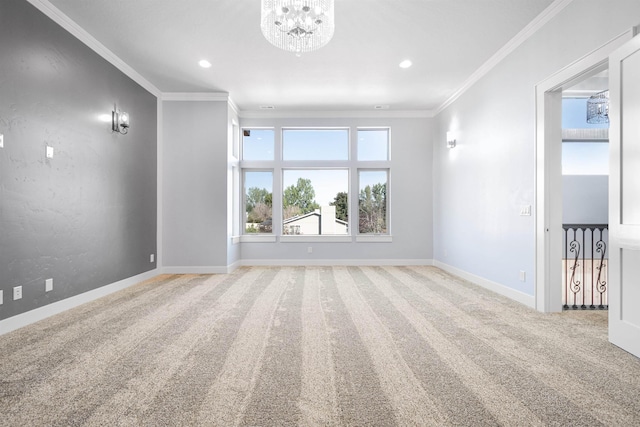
87, 217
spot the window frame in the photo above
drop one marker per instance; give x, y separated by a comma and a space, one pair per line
278, 165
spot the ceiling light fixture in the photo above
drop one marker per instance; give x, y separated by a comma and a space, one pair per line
406, 64
204, 63
298, 26
598, 108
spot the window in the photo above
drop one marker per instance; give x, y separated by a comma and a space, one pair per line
372, 202
315, 144
257, 144
585, 158
258, 201
304, 178
373, 144
315, 201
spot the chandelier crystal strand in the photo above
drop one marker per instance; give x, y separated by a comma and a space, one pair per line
298, 26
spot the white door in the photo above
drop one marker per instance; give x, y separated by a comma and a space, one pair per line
624, 197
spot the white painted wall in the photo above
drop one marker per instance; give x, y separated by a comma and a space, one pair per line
585, 199
194, 186
480, 186
410, 197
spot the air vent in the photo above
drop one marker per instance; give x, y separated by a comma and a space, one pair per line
267, 107
381, 107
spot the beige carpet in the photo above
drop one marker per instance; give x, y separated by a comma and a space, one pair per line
315, 346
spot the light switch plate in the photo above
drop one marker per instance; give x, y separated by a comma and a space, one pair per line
1, 297
1, 140
49, 152
525, 210
48, 285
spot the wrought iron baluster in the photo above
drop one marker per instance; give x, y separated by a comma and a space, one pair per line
584, 277
566, 269
591, 264
575, 285
601, 283
585, 273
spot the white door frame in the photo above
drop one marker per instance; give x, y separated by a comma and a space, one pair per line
548, 181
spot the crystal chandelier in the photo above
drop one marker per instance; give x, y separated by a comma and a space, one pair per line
298, 26
598, 108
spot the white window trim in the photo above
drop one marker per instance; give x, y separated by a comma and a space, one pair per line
311, 238
258, 238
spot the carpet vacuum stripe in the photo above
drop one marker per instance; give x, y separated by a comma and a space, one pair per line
315, 346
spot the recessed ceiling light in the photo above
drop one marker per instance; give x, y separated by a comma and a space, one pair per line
406, 64
204, 63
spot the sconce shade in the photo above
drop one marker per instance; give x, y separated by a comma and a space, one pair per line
451, 140
124, 120
119, 121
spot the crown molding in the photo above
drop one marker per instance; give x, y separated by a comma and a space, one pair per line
78, 32
195, 96
234, 107
321, 114
534, 26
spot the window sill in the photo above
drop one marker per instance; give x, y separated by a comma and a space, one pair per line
251, 238
374, 238
319, 239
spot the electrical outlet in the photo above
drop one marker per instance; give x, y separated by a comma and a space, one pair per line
152, 258
17, 293
1, 297
310, 250
1, 140
48, 285
523, 276
49, 152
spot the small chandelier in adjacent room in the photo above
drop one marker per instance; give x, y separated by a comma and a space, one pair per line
298, 26
598, 108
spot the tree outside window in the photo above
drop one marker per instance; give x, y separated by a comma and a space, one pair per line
258, 201
372, 202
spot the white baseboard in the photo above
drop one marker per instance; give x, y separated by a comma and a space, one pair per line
341, 262
521, 297
35, 315
234, 266
289, 262
201, 269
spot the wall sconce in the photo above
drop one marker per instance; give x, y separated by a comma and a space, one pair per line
119, 121
451, 140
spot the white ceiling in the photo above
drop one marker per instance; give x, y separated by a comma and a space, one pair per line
447, 40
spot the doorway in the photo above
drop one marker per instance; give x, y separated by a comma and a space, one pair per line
549, 203
585, 193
